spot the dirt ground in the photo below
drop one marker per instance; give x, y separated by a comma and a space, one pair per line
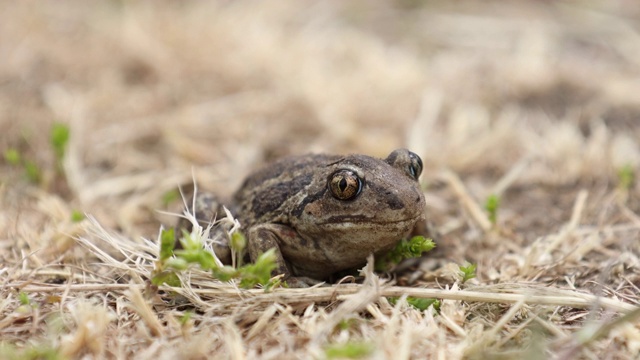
535, 103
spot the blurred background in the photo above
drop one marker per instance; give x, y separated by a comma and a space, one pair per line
157, 92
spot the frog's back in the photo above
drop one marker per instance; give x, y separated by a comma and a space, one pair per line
264, 195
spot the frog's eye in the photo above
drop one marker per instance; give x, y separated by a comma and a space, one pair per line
415, 165
345, 184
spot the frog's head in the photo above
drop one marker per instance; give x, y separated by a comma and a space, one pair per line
364, 202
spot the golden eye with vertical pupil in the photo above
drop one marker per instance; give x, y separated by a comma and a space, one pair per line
345, 184
415, 166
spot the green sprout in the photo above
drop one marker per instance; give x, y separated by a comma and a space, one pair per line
59, 139
347, 324
349, 350
491, 205
468, 272
170, 196
405, 249
259, 272
193, 253
34, 174
24, 298
32, 352
166, 277
626, 177
167, 243
238, 244
12, 156
421, 304
77, 216
164, 272
184, 319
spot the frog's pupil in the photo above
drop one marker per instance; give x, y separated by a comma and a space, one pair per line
343, 184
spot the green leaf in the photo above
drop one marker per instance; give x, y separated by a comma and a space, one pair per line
419, 245
259, 272
347, 324
170, 196
250, 275
626, 177
468, 272
59, 139
166, 277
31, 352
405, 249
167, 243
177, 263
33, 171
225, 273
491, 205
184, 319
238, 242
199, 256
24, 298
12, 156
349, 350
188, 242
421, 304
206, 260
77, 216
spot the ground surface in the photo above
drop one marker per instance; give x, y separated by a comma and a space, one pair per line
536, 102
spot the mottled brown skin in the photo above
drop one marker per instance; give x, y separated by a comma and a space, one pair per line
326, 213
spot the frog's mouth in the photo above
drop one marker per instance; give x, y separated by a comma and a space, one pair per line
363, 219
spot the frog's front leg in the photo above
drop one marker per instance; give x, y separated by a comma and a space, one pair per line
262, 238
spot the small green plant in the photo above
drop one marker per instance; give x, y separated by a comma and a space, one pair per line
166, 277
184, 319
170, 196
167, 243
626, 177
405, 249
26, 304
164, 272
24, 298
468, 272
238, 244
77, 216
347, 324
12, 157
349, 350
421, 304
32, 352
193, 253
34, 174
491, 206
258, 273
238, 241
59, 138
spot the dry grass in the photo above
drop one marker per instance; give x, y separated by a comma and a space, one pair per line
534, 102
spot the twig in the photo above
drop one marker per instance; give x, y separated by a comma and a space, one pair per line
320, 294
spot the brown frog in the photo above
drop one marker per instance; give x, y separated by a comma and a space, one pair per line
324, 213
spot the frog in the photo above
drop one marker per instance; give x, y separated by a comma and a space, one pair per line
321, 213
